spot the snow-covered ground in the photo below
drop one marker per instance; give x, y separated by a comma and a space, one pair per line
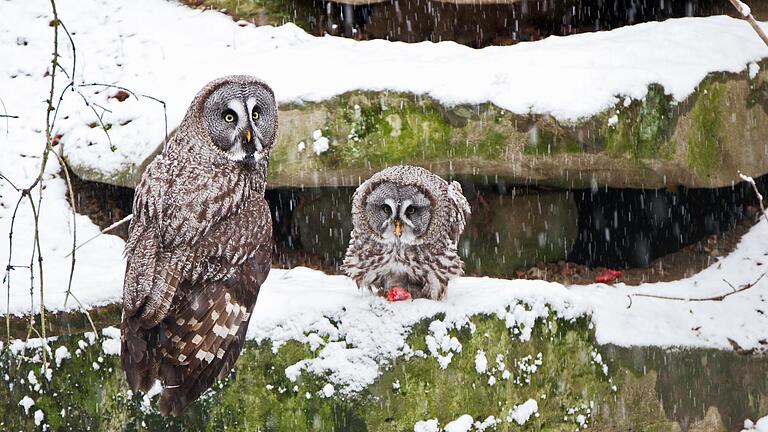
169, 51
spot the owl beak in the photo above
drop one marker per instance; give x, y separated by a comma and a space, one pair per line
398, 227
251, 142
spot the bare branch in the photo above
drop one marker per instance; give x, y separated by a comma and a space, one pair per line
136, 95
746, 13
104, 231
71, 193
703, 299
751, 181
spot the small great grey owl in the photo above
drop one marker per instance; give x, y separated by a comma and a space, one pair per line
199, 245
407, 222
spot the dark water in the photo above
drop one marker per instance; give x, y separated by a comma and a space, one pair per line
479, 25
514, 228
630, 228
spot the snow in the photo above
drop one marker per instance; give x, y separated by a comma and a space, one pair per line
760, 426
321, 145
461, 424
60, 354
754, 69
426, 426
481, 362
523, 412
27, 403
111, 343
743, 8
328, 390
159, 54
39, 417
161, 57
489, 422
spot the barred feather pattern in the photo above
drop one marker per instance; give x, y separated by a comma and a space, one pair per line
198, 251
425, 267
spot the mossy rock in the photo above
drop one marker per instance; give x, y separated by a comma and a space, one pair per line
557, 364
653, 142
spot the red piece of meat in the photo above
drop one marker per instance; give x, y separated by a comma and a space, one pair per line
608, 276
397, 294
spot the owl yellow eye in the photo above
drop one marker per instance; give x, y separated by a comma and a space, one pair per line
255, 115
229, 116
385, 208
409, 211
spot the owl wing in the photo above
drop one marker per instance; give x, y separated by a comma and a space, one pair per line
154, 270
205, 329
462, 210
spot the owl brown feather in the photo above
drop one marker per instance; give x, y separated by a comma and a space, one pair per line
198, 251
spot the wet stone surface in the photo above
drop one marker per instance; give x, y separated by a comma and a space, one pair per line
516, 231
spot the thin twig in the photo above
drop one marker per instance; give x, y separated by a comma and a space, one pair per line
2, 176
6, 116
71, 192
699, 299
8, 268
87, 315
36, 216
746, 13
104, 231
751, 181
54, 61
135, 95
98, 117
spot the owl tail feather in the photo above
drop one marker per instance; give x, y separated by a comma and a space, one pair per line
139, 361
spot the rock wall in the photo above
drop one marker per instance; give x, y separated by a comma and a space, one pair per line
651, 143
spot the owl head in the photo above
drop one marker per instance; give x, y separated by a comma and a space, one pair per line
398, 212
406, 205
238, 114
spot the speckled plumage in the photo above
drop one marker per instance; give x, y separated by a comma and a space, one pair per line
425, 264
198, 250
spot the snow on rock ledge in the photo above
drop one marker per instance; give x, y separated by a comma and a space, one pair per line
164, 54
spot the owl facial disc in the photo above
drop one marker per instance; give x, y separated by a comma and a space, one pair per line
399, 214
240, 120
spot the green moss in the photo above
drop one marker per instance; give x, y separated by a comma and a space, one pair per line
261, 11
706, 123
425, 391
643, 129
545, 142
386, 129
259, 396
278, 161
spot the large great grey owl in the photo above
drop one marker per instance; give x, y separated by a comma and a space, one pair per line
199, 245
406, 226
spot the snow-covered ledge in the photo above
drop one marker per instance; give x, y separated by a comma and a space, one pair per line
645, 105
